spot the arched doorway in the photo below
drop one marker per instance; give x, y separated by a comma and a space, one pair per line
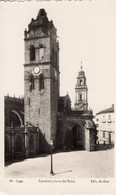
68, 140
77, 137
19, 146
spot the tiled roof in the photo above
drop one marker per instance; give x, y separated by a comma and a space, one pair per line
108, 110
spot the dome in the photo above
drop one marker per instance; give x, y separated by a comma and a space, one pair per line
81, 73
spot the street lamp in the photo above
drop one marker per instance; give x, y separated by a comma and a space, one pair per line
51, 144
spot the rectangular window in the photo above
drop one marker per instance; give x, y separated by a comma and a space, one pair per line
104, 120
80, 97
103, 134
41, 82
32, 83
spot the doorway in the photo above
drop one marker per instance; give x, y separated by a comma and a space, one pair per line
77, 137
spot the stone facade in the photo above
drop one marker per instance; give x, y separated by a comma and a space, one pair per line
20, 144
76, 130
47, 116
105, 126
41, 103
90, 141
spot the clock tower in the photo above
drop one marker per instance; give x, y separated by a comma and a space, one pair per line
81, 101
41, 77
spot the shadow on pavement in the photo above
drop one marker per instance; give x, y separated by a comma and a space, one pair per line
68, 150
39, 155
62, 172
7, 163
100, 147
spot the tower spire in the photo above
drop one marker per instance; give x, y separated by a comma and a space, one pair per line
81, 101
81, 65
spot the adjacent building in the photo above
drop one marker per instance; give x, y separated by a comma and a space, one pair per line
105, 125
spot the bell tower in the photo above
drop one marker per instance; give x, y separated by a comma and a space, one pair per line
81, 100
41, 77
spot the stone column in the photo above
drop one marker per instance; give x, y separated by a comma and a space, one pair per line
12, 142
26, 142
38, 139
12, 145
87, 139
35, 144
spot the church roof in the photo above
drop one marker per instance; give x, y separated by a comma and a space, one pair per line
42, 13
41, 21
63, 98
108, 110
64, 101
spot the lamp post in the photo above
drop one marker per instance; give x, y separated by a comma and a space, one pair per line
51, 171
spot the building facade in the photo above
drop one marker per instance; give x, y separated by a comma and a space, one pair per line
41, 81
47, 116
105, 126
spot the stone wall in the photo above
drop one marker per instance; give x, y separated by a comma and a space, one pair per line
90, 135
21, 143
68, 127
14, 111
38, 109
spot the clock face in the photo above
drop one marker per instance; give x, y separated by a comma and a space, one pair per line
36, 70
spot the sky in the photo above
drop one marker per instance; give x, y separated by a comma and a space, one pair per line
86, 32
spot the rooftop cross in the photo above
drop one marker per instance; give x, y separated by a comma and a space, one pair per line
81, 65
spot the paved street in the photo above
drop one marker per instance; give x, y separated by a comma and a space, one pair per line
66, 164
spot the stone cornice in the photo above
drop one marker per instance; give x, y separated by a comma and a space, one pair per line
37, 37
41, 63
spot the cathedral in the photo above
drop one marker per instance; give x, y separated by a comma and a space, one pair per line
43, 115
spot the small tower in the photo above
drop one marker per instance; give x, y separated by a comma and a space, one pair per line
81, 101
41, 77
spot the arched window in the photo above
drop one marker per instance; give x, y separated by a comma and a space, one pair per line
80, 97
32, 82
81, 82
41, 82
19, 143
32, 53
